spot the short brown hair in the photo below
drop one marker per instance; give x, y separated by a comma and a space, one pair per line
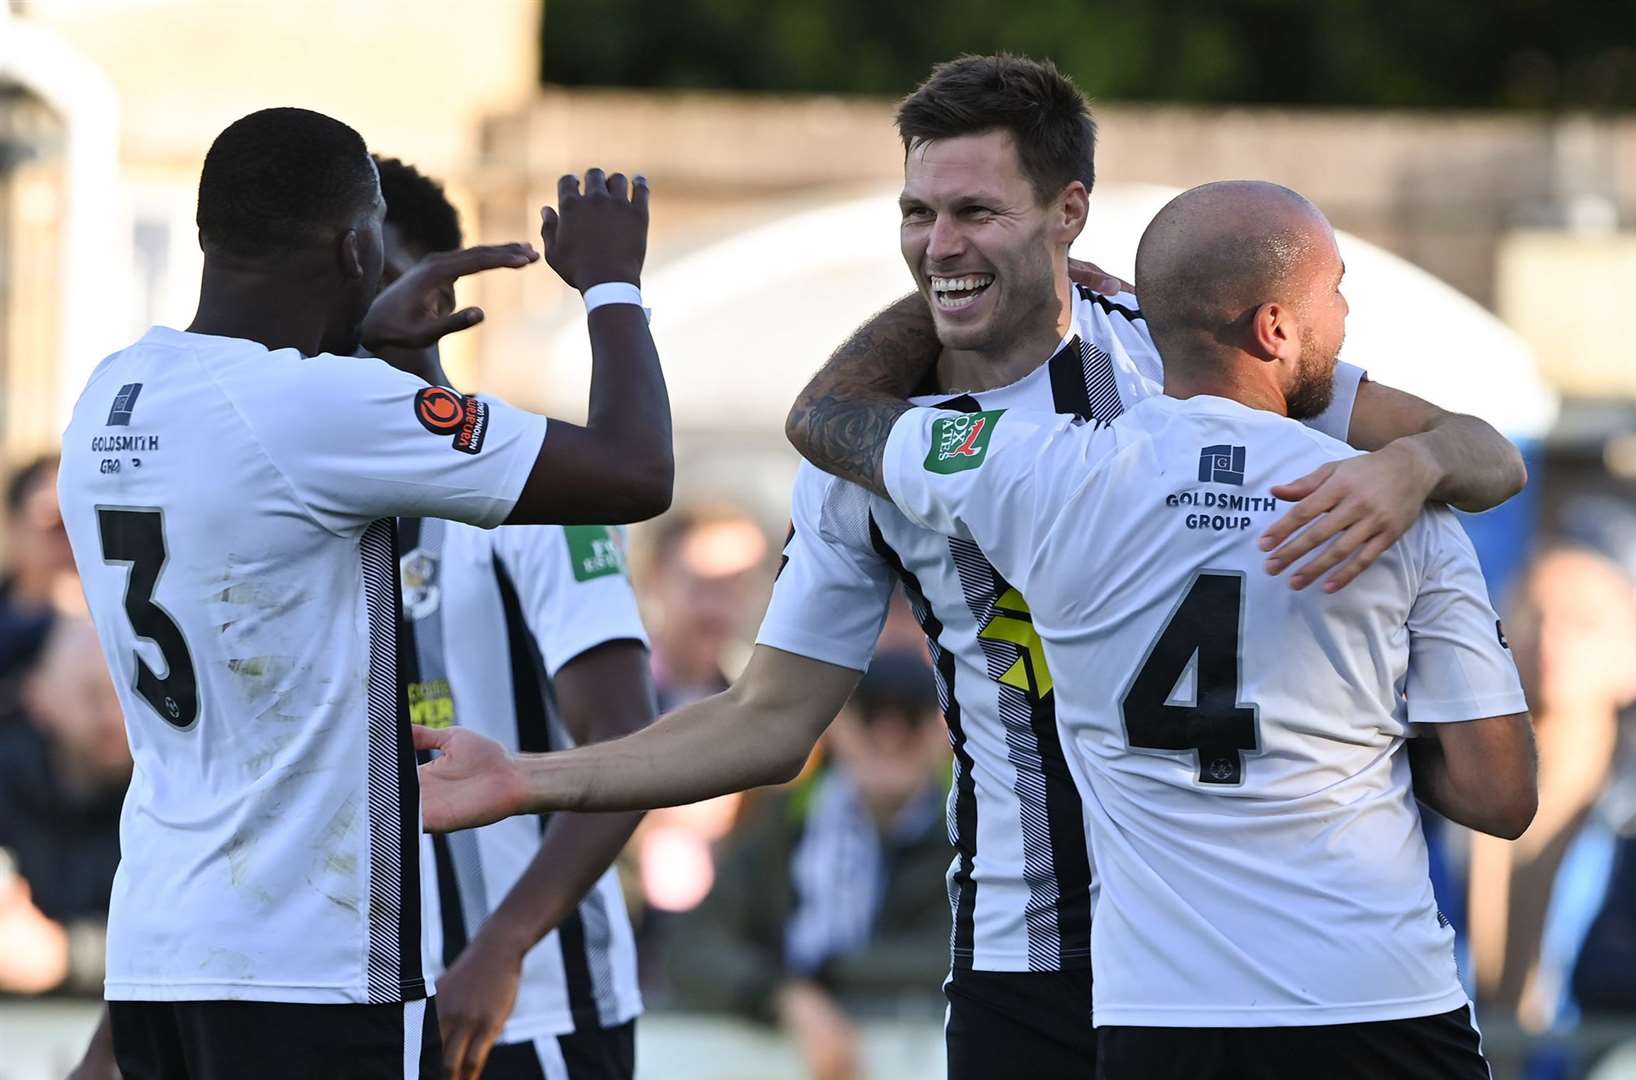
1047, 116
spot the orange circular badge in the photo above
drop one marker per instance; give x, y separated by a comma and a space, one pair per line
439, 410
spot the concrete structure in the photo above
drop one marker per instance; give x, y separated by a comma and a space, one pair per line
120, 98
107, 108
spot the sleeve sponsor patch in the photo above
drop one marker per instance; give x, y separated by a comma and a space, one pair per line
444, 412
960, 442
594, 551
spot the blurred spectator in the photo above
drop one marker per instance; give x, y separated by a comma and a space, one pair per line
1604, 979
832, 896
1573, 630
698, 584
38, 563
63, 775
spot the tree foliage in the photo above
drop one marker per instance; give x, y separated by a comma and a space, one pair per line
1537, 54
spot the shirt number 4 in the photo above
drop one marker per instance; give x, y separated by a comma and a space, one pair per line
1216, 726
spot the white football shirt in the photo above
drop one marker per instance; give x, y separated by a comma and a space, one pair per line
1020, 882
1239, 745
230, 511
491, 616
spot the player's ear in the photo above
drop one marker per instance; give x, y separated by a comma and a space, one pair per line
1273, 333
1072, 207
348, 255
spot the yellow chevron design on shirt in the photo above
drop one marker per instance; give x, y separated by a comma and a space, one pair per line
1013, 622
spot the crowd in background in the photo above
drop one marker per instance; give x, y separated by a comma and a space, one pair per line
812, 905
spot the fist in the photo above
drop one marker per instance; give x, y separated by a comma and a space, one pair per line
599, 234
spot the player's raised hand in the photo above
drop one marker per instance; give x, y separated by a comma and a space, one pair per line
473, 781
1096, 279
599, 234
1359, 506
415, 311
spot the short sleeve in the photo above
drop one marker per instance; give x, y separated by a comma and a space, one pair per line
1460, 664
997, 478
358, 440
1336, 420
833, 588
572, 584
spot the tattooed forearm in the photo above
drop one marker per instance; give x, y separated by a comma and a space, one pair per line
841, 420
846, 434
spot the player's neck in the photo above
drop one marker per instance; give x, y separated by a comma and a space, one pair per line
424, 364
1014, 354
254, 307
1224, 383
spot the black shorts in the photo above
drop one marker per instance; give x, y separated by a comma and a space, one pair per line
1443, 1047
1012, 1023
597, 1054
252, 1040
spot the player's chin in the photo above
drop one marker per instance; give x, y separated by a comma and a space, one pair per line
960, 333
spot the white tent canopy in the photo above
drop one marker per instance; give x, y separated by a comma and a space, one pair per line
742, 323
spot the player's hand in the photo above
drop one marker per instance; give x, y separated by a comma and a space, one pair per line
826, 1038
473, 781
416, 310
1359, 506
599, 234
96, 1067
1096, 279
474, 999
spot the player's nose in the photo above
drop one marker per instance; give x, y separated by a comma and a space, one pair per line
945, 241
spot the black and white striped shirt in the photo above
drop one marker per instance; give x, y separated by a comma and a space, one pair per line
490, 618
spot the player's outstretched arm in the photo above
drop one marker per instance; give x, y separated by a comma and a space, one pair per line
758, 731
1420, 453
841, 420
618, 467
1483, 774
603, 693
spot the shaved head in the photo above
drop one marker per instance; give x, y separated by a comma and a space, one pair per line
1212, 261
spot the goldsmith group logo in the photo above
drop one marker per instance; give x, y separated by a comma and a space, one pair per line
1221, 465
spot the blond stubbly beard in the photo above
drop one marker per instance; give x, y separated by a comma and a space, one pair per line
1314, 386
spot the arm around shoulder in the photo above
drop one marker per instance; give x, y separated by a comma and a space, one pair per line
1470, 464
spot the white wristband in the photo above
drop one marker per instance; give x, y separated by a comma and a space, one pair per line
614, 292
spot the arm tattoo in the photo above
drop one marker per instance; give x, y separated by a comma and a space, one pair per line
841, 420
846, 435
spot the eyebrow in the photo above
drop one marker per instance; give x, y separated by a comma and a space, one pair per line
961, 202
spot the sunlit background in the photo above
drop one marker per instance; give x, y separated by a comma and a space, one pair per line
1481, 160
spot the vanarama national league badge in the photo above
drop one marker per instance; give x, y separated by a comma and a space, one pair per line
444, 412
